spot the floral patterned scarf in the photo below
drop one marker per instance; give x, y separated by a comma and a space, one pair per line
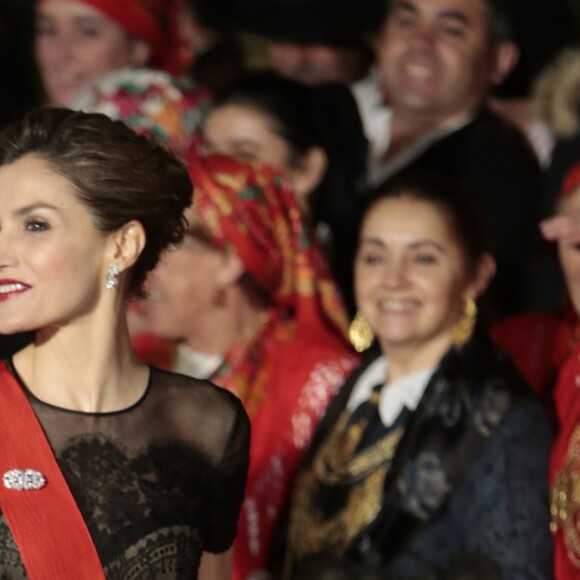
251, 210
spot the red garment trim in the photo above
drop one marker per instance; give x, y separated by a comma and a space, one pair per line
48, 528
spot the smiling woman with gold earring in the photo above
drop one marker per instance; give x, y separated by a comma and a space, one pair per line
412, 470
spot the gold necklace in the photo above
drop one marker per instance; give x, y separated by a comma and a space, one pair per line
336, 464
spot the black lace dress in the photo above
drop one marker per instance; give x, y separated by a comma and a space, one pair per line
157, 484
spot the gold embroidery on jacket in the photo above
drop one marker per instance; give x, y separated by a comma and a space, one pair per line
565, 500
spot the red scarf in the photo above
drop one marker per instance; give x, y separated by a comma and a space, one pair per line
251, 209
46, 524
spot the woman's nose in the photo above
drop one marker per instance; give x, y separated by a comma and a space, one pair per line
59, 49
394, 274
8, 255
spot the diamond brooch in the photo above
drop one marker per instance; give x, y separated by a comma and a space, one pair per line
23, 479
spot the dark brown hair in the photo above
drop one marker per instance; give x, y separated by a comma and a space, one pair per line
464, 214
118, 175
499, 21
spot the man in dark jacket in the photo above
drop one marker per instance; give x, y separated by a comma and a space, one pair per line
439, 60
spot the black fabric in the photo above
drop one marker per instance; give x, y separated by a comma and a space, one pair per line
542, 29
366, 417
219, 66
157, 484
317, 21
474, 400
491, 160
12, 343
336, 203
20, 90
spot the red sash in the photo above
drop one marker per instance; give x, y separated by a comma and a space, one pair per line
48, 528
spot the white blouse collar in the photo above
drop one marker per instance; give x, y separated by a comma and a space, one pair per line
404, 392
196, 364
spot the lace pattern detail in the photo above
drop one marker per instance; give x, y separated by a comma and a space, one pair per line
157, 485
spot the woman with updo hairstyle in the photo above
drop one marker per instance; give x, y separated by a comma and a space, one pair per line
111, 468
314, 135
431, 461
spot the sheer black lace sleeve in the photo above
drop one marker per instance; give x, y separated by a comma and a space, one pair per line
157, 484
228, 493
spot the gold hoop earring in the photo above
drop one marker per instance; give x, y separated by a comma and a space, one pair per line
360, 333
463, 329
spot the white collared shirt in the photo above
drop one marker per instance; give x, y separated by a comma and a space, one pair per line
196, 364
405, 392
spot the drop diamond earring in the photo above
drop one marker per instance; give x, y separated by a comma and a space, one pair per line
112, 277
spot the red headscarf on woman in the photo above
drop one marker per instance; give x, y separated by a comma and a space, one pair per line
251, 209
153, 21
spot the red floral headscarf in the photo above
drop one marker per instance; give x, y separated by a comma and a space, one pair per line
251, 209
151, 102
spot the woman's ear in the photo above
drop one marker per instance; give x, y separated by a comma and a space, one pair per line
140, 53
231, 269
127, 244
308, 172
484, 273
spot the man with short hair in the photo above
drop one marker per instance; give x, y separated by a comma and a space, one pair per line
439, 60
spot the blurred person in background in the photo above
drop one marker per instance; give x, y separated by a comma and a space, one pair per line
247, 301
314, 135
215, 52
320, 41
565, 457
439, 61
152, 102
546, 349
431, 461
76, 41
553, 21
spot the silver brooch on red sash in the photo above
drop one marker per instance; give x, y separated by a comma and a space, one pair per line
23, 479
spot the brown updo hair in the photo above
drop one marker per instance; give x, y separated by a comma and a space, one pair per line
118, 175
